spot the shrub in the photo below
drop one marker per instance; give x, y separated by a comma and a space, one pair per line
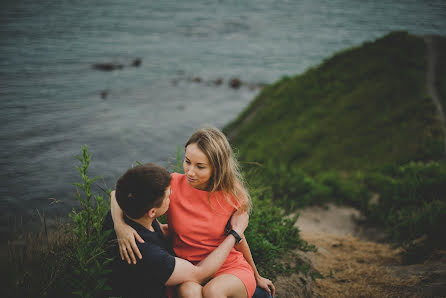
292, 188
412, 202
90, 267
273, 237
344, 190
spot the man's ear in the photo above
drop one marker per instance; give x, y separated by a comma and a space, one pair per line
152, 213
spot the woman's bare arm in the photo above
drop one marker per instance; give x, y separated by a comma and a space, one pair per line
262, 282
126, 235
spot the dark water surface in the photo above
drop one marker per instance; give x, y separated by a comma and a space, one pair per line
50, 102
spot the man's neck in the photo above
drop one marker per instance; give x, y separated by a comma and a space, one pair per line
145, 221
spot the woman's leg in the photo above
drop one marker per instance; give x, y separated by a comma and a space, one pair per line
225, 285
190, 289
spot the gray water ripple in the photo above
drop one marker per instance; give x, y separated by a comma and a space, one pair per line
50, 102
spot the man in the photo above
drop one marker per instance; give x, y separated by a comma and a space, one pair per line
143, 195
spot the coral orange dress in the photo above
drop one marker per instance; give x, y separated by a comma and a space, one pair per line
197, 226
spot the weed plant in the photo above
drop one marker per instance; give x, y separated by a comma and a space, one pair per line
91, 265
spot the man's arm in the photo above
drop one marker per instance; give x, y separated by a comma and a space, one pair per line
185, 271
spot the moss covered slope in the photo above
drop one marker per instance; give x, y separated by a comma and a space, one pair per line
362, 108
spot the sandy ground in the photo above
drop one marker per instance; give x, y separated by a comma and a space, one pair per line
355, 267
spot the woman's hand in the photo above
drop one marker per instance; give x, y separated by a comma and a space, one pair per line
127, 245
266, 284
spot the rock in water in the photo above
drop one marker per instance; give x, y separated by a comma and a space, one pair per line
107, 66
137, 62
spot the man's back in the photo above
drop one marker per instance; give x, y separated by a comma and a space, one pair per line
147, 277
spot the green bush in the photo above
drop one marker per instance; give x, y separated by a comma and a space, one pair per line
344, 190
273, 237
412, 201
293, 188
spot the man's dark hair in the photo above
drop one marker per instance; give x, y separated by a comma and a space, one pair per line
142, 188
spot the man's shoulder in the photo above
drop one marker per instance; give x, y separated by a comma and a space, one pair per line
153, 249
108, 222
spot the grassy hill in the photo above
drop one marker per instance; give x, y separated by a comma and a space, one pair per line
360, 109
441, 70
359, 129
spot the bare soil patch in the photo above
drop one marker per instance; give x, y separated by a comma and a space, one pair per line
355, 267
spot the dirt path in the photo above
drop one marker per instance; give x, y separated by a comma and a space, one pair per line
353, 266
431, 56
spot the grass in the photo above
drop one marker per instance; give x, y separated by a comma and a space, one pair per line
372, 96
39, 264
441, 69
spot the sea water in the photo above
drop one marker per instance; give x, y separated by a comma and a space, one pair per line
52, 101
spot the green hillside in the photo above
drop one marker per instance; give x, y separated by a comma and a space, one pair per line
441, 70
360, 109
360, 130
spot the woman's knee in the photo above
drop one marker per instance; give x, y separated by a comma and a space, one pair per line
212, 290
225, 285
190, 289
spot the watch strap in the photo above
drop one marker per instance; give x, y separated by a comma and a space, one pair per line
237, 237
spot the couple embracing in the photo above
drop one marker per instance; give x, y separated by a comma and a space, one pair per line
201, 251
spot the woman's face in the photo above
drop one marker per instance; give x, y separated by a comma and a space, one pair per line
197, 168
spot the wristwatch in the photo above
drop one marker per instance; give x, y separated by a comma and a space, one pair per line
237, 237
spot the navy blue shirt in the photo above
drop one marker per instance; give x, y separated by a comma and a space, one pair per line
148, 276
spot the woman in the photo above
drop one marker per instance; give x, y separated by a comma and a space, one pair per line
202, 202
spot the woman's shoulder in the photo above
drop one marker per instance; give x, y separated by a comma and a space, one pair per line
176, 179
176, 176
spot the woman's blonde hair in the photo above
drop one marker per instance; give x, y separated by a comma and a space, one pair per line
226, 174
